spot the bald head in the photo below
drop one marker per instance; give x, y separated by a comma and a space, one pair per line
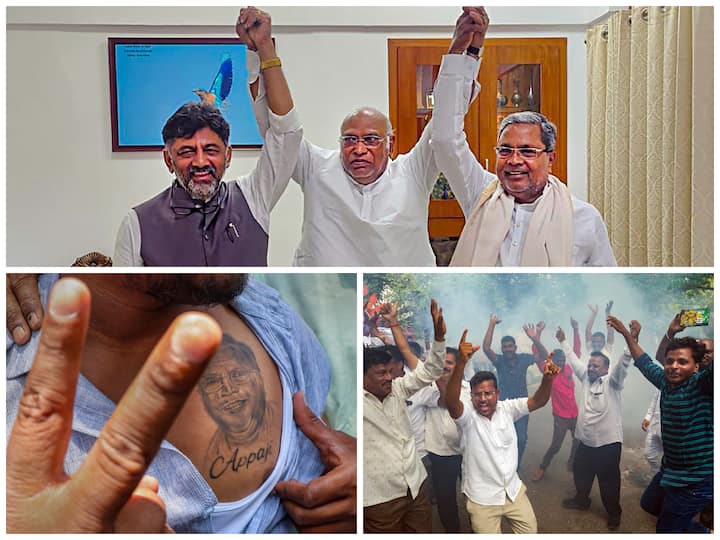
370, 113
367, 143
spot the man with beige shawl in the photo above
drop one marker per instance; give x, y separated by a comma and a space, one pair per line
524, 216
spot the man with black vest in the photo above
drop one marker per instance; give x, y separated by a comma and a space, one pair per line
201, 220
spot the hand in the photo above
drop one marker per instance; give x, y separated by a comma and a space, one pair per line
539, 327
254, 28
560, 334
483, 22
635, 328
327, 503
438, 321
530, 331
24, 309
550, 369
617, 324
108, 493
469, 22
675, 326
389, 313
608, 307
593, 308
494, 320
466, 349
645, 424
574, 324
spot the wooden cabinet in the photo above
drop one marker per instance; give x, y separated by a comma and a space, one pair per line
517, 74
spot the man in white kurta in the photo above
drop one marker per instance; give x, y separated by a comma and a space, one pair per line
524, 216
362, 208
395, 495
598, 430
393, 470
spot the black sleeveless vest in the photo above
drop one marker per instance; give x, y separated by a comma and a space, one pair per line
179, 231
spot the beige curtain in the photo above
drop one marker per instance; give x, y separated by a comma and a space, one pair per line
650, 126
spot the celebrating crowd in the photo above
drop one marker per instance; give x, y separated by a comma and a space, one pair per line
431, 421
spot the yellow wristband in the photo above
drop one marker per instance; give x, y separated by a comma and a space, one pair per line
273, 62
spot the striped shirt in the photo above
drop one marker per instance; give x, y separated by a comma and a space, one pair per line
686, 422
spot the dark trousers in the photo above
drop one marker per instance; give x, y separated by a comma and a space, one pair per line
560, 426
402, 515
676, 506
521, 428
653, 496
603, 462
445, 474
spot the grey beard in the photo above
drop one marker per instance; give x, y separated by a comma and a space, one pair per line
199, 193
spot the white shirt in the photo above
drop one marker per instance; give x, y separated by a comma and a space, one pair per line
653, 413
417, 414
442, 436
348, 224
391, 461
468, 179
262, 187
600, 413
490, 456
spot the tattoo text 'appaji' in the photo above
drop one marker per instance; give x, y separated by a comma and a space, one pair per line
235, 463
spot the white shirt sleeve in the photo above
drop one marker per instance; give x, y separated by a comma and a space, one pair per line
127, 243
264, 186
654, 404
603, 254
429, 371
455, 82
579, 369
619, 370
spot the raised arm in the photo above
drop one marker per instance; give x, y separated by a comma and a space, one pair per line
455, 88
610, 332
534, 334
631, 336
577, 345
390, 314
576, 365
590, 323
674, 329
254, 28
280, 126
452, 393
542, 394
487, 341
430, 370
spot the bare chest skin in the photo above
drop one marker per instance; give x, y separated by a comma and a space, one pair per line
230, 427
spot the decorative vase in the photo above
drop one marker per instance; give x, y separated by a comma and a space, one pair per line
531, 97
501, 98
516, 98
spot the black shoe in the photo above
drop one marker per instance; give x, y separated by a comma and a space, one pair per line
574, 504
613, 523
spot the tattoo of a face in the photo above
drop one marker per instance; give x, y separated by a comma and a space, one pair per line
233, 393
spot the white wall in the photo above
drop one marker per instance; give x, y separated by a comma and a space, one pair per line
66, 190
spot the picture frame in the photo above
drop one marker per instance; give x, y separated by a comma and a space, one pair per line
150, 78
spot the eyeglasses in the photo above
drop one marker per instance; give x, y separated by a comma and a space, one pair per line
370, 141
236, 378
483, 394
525, 153
182, 205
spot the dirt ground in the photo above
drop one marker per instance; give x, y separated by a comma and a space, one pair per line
557, 484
